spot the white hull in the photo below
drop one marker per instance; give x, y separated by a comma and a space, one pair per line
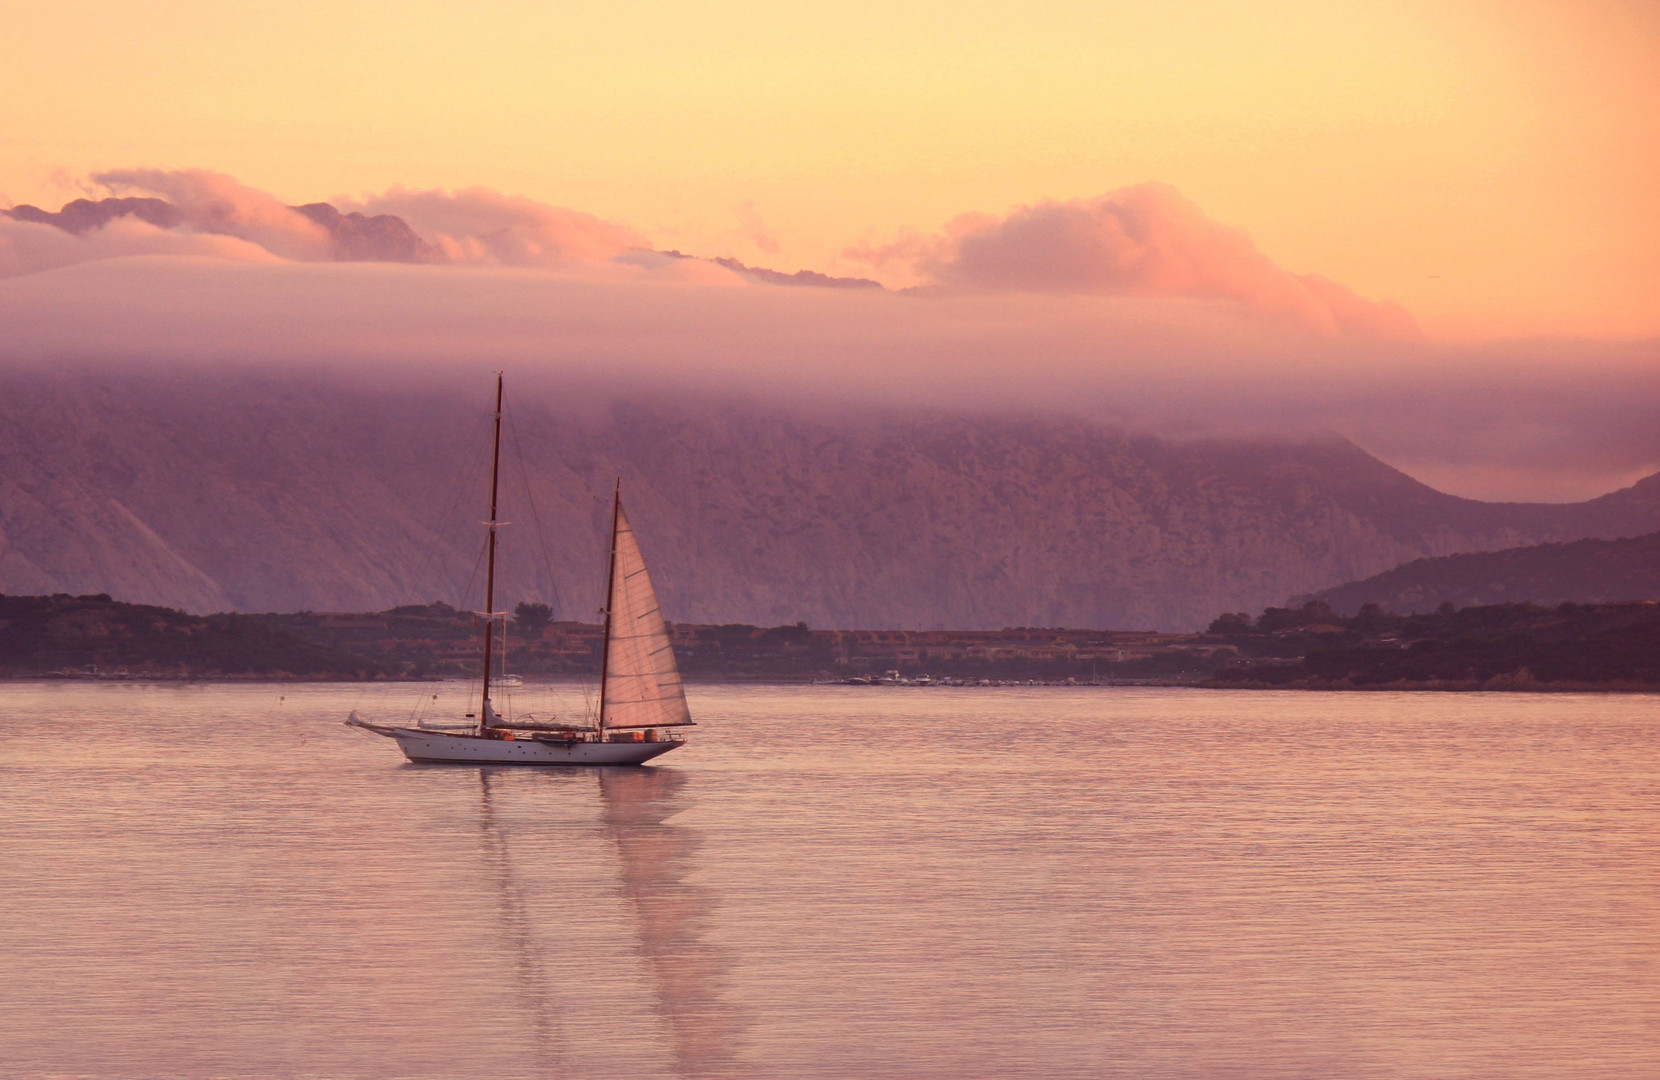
438, 746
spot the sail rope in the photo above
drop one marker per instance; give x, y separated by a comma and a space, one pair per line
535, 515
430, 565
475, 579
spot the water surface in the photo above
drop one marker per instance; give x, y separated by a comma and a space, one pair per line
222, 881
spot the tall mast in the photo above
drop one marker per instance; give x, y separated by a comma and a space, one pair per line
490, 571
610, 586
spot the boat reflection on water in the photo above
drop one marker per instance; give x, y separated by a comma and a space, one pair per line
530, 974
657, 859
653, 860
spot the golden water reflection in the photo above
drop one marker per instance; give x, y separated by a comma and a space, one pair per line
653, 860
223, 883
686, 971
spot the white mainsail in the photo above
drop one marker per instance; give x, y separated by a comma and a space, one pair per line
641, 686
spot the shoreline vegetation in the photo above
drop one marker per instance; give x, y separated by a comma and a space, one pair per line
1509, 646
1513, 646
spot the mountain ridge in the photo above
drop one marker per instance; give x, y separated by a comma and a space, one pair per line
280, 491
1582, 571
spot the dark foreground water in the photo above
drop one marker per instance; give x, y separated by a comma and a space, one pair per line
222, 881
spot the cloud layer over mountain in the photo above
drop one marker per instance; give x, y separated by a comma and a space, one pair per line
481, 226
1133, 307
212, 202
1139, 241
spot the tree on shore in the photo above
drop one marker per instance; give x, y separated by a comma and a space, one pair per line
531, 619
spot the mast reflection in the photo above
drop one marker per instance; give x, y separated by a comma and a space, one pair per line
686, 971
530, 968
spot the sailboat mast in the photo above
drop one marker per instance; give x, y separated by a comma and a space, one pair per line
490, 571
610, 589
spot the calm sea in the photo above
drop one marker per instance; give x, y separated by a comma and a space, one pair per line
222, 881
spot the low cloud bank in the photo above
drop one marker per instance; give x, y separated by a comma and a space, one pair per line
180, 208
1557, 420
28, 247
1145, 241
1138, 241
477, 226
484, 227
217, 204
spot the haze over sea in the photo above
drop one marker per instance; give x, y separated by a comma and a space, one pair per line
222, 881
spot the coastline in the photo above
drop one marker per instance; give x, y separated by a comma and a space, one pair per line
1449, 686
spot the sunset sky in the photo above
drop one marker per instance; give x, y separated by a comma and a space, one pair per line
1493, 166
1490, 167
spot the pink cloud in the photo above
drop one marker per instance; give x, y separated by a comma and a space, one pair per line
1144, 241
481, 226
764, 239
28, 247
1139, 241
215, 203
214, 216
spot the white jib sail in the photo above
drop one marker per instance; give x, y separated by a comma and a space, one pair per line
642, 684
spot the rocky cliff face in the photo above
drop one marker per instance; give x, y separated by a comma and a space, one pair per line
266, 492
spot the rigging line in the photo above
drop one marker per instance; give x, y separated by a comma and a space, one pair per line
423, 696
472, 579
441, 532
475, 467
535, 515
587, 689
447, 522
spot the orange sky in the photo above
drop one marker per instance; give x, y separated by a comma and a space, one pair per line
1493, 166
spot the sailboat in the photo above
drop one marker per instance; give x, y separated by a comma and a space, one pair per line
641, 695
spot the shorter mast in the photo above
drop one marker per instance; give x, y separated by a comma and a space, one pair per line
490, 571
610, 594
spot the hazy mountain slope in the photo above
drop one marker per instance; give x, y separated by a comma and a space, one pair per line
1585, 571
292, 492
